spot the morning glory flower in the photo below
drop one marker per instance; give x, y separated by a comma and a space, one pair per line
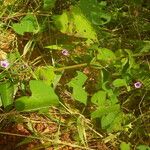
65, 52
137, 85
4, 63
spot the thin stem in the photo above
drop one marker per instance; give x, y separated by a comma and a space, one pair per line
47, 139
70, 67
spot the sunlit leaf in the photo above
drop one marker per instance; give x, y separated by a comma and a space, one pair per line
104, 110
116, 124
42, 96
27, 24
46, 74
106, 120
125, 146
105, 54
79, 92
55, 47
75, 23
99, 98
119, 82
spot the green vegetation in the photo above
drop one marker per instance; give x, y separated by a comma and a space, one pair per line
75, 74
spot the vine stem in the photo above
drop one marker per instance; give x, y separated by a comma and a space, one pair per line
70, 67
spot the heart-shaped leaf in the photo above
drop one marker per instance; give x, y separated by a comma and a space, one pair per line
76, 83
42, 96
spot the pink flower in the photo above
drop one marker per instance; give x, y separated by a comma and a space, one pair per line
4, 63
137, 85
65, 52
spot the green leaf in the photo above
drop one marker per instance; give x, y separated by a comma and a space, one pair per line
107, 120
104, 110
6, 94
60, 47
125, 146
55, 47
12, 57
99, 98
75, 23
106, 55
143, 147
78, 80
132, 63
42, 96
48, 4
46, 74
100, 18
119, 83
146, 47
113, 98
27, 24
117, 123
76, 83
94, 11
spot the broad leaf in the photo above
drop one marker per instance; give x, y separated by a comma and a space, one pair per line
143, 147
99, 98
27, 24
95, 11
100, 18
119, 83
46, 74
107, 120
125, 146
77, 83
75, 23
117, 123
105, 110
48, 4
6, 94
105, 54
42, 96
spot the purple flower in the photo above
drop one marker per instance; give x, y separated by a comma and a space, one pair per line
137, 85
4, 63
65, 52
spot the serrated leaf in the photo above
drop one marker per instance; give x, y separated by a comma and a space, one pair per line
77, 83
42, 96
99, 98
6, 94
